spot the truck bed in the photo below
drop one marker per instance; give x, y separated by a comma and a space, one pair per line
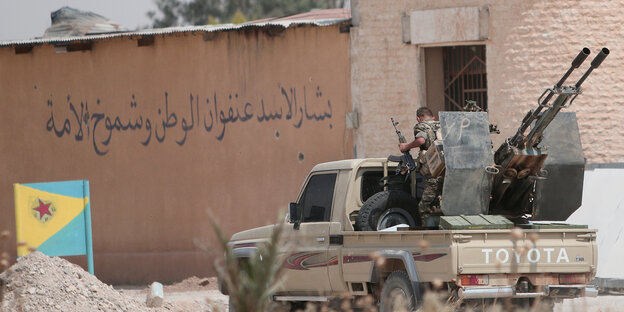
445, 254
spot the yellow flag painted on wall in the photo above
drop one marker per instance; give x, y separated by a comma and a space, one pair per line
54, 218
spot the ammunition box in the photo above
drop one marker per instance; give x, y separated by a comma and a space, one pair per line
553, 225
474, 222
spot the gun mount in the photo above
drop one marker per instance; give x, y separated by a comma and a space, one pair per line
520, 158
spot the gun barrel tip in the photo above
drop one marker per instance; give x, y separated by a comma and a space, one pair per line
600, 57
579, 59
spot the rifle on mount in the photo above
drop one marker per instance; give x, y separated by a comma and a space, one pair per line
407, 157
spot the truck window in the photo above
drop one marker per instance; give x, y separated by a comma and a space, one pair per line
370, 184
317, 198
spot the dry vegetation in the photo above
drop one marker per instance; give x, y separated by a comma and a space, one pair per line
253, 282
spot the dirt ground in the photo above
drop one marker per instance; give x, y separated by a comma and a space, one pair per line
194, 300
193, 295
41, 283
602, 303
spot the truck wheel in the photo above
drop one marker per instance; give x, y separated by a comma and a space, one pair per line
397, 293
394, 216
403, 208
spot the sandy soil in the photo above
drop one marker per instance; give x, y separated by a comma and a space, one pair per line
213, 300
192, 294
41, 283
602, 303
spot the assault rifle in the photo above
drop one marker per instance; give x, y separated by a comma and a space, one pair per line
407, 157
471, 106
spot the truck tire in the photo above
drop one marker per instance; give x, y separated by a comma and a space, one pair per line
397, 293
376, 205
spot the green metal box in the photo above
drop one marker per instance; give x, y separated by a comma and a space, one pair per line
474, 222
553, 225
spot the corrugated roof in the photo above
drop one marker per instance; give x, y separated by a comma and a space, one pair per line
316, 18
329, 14
68, 22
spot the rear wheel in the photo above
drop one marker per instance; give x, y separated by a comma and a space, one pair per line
397, 293
386, 209
395, 216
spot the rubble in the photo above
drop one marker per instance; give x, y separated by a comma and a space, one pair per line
155, 295
41, 283
193, 283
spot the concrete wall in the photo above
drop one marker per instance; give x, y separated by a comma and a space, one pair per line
531, 44
602, 209
229, 122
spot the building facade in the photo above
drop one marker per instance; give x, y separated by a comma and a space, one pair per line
174, 128
502, 54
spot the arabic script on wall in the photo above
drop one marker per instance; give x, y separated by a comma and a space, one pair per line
210, 114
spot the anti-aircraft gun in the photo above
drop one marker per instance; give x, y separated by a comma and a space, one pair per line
520, 159
518, 179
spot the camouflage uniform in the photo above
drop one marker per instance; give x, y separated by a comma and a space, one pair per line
430, 201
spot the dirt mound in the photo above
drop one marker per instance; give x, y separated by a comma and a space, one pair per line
40, 283
193, 283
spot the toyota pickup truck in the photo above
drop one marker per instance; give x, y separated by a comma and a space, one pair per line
486, 243
327, 257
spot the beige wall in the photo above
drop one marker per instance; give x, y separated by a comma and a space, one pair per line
247, 105
531, 44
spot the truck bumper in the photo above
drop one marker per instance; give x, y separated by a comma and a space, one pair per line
553, 291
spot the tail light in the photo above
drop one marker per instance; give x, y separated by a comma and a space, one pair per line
473, 279
568, 279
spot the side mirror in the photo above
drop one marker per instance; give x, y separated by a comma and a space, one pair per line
293, 214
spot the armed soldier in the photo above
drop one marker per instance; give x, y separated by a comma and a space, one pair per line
424, 135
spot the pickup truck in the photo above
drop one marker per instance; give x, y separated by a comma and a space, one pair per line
327, 257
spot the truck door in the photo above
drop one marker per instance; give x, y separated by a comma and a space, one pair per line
307, 248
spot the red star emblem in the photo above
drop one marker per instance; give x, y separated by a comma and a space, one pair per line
44, 209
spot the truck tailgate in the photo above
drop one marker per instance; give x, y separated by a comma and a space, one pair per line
528, 251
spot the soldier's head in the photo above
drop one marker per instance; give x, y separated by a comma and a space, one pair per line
424, 113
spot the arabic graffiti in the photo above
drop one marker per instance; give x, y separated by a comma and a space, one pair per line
208, 112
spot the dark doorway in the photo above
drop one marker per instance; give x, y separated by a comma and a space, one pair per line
465, 76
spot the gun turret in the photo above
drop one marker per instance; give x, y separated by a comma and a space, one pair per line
520, 159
